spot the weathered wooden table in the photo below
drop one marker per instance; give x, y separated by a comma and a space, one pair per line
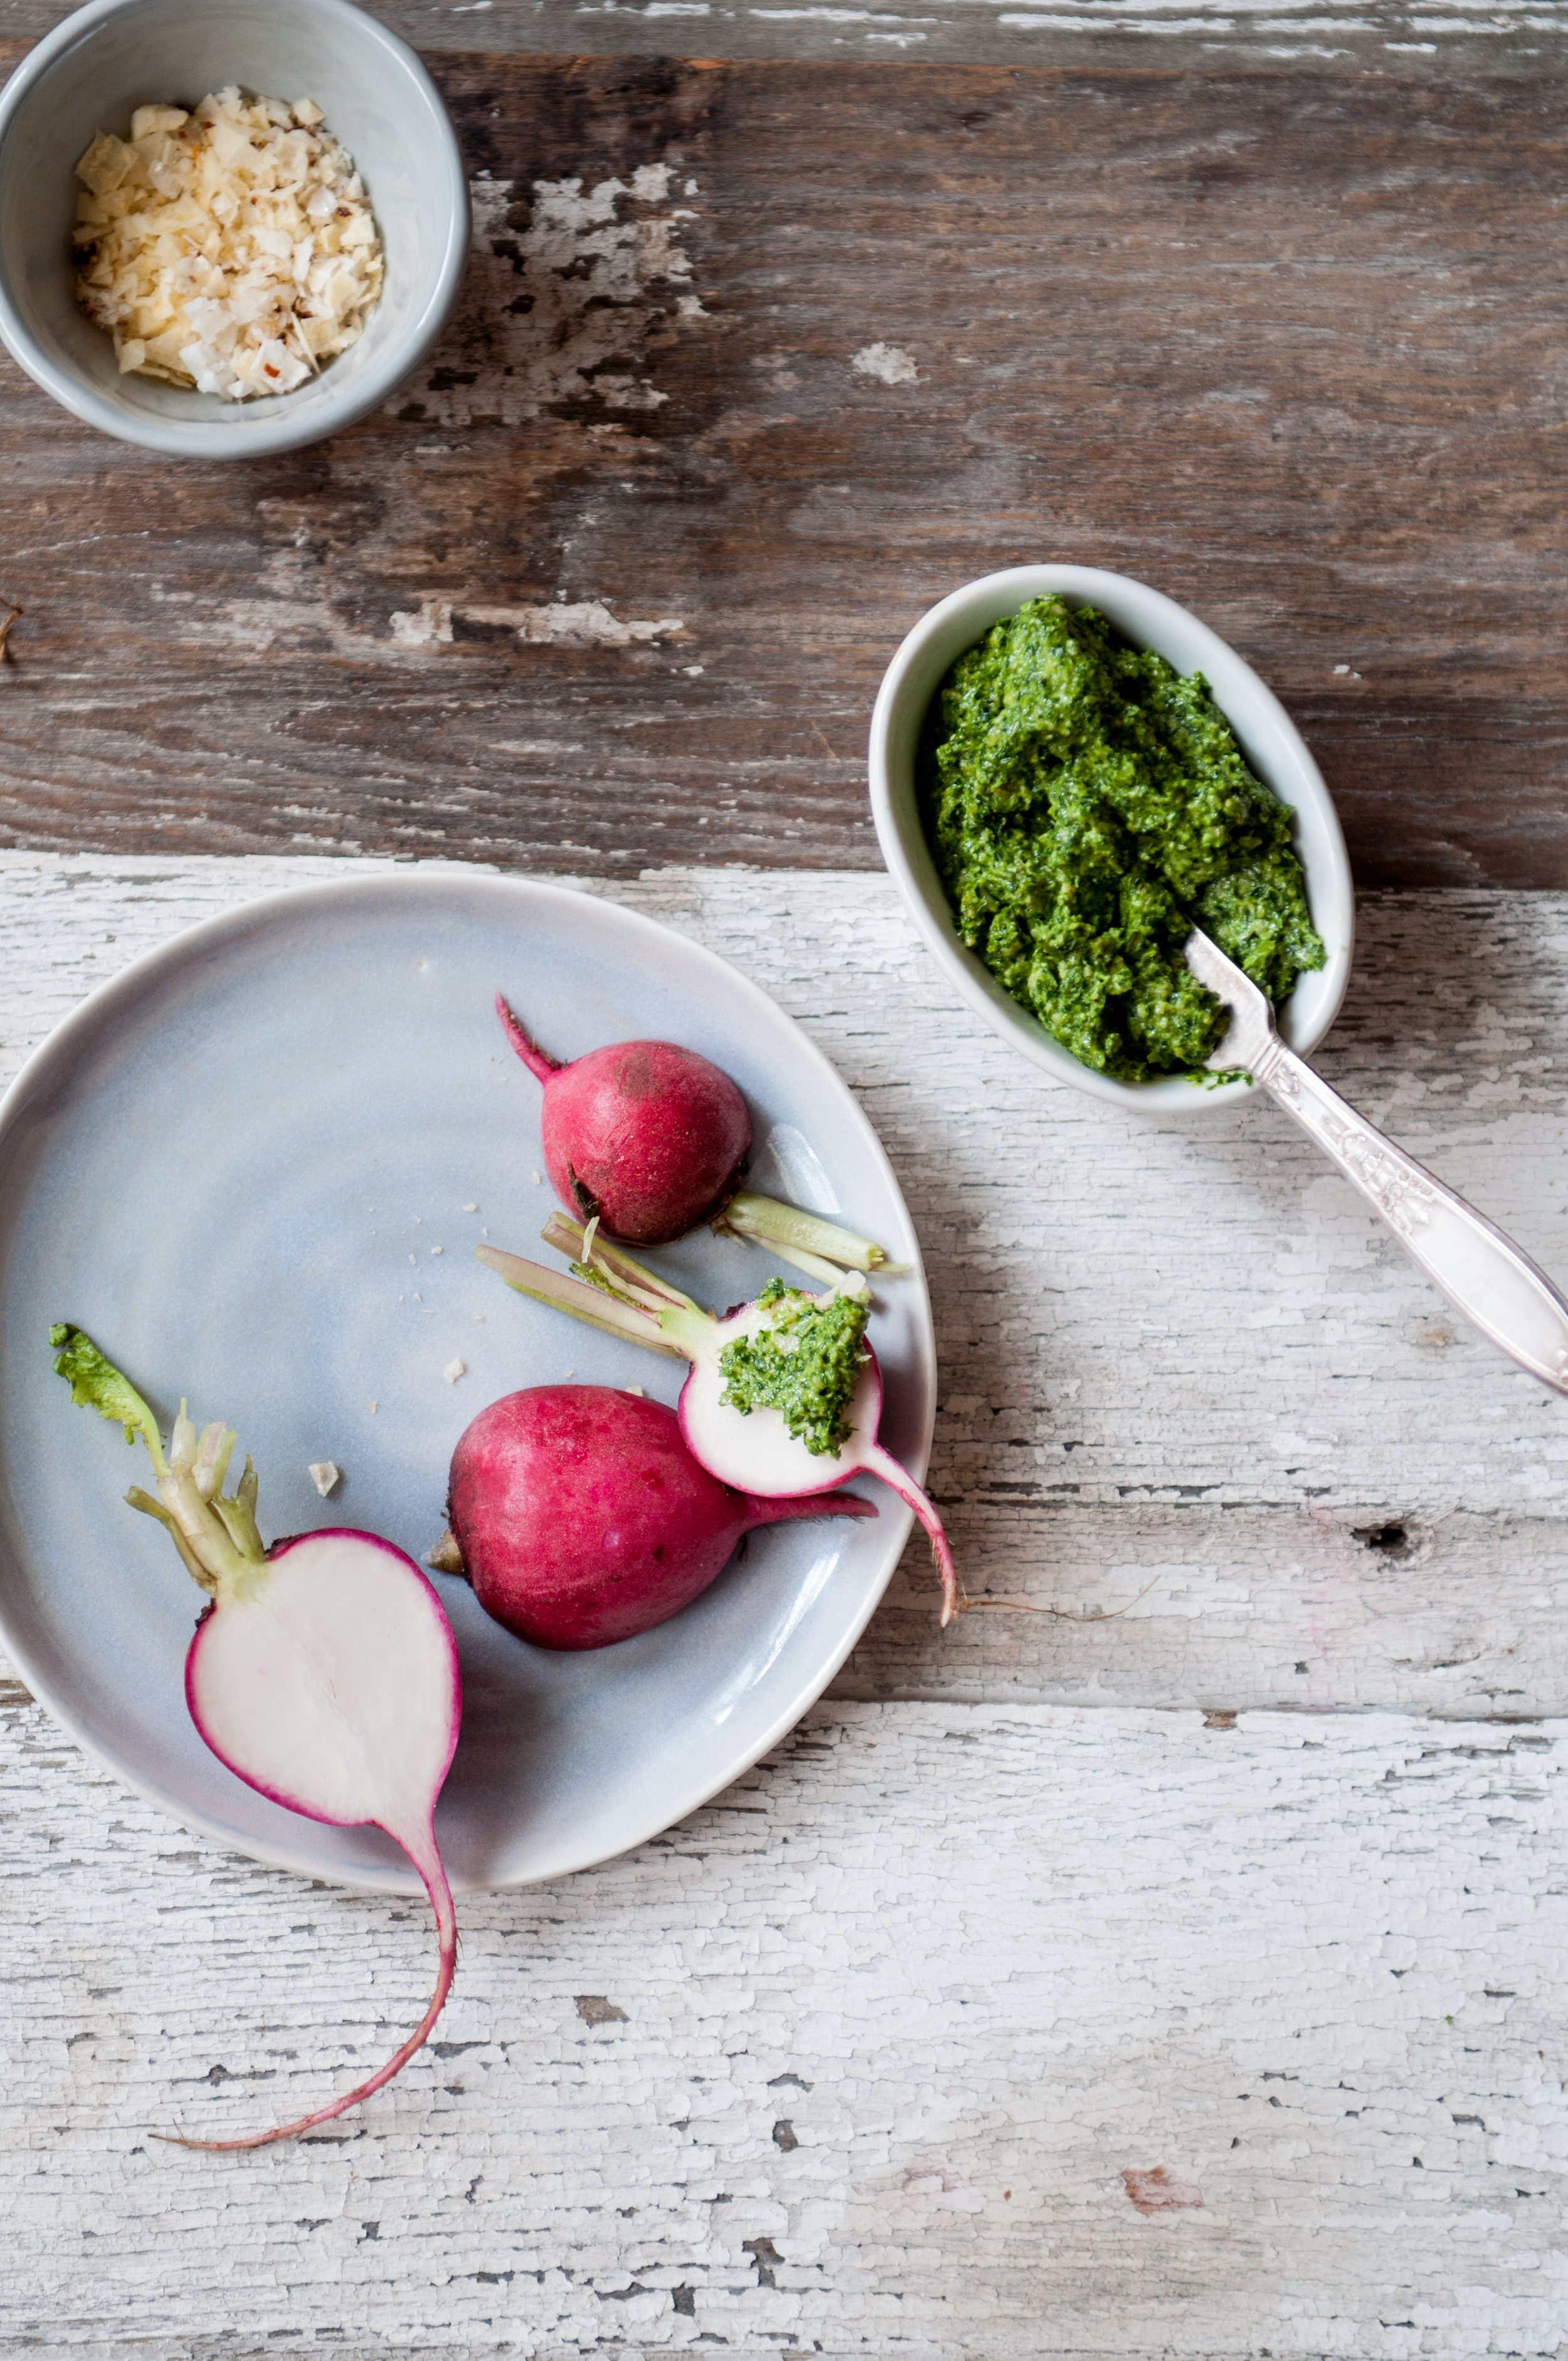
1185, 1982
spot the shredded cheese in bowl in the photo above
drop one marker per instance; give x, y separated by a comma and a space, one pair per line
231, 248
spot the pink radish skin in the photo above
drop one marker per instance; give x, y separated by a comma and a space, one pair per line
324, 1672
649, 1136
752, 1450
582, 1519
757, 1452
333, 1689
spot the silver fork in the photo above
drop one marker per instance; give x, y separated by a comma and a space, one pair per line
1484, 1274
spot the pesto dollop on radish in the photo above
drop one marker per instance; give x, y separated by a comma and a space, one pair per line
795, 1411
803, 1361
324, 1672
650, 1139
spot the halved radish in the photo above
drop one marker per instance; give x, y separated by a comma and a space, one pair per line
324, 1671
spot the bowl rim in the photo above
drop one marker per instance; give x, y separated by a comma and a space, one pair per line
231, 437
957, 622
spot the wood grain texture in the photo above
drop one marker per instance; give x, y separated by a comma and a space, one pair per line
613, 581
891, 2020
1182, 1354
876, 2052
1423, 41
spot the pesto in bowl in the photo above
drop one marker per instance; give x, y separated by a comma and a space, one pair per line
1087, 805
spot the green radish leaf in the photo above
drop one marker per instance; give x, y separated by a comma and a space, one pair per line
97, 1384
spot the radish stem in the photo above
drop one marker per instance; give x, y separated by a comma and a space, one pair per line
806, 1239
538, 1061
596, 1305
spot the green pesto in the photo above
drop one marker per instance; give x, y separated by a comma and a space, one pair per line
1087, 805
809, 1377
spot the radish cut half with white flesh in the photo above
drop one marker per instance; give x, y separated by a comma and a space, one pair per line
756, 1453
324, 1672
753, 1448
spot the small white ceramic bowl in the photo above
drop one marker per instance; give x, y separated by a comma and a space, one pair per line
1268, 739
116, 55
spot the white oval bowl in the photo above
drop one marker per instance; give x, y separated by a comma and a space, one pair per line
116, 55
1268, 738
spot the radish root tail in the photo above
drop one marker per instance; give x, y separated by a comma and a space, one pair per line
898, 1479
427, 1861
1062, 1614
538, 1061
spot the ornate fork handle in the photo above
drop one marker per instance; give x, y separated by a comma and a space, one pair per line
1482, 1273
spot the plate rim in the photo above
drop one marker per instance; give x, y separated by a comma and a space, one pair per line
404, 885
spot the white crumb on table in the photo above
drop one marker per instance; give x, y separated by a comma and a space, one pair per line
324, 1476
454, 1370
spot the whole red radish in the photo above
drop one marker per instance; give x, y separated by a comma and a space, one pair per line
582, 1518
324, 1672
651, 1137
785, 1395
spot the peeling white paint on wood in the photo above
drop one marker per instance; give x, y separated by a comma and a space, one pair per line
1391, 36
970, 2023
428, 625
855, 2061
888, 363
566, 283
579, 622
1178, 1354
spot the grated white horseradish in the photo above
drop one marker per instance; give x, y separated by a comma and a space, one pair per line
232, 248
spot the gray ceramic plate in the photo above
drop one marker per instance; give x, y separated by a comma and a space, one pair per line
231, 1166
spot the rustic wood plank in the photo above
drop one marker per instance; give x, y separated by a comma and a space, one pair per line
1431, 38
900, 2013
896, 2015
1182, 1356
1286, 344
